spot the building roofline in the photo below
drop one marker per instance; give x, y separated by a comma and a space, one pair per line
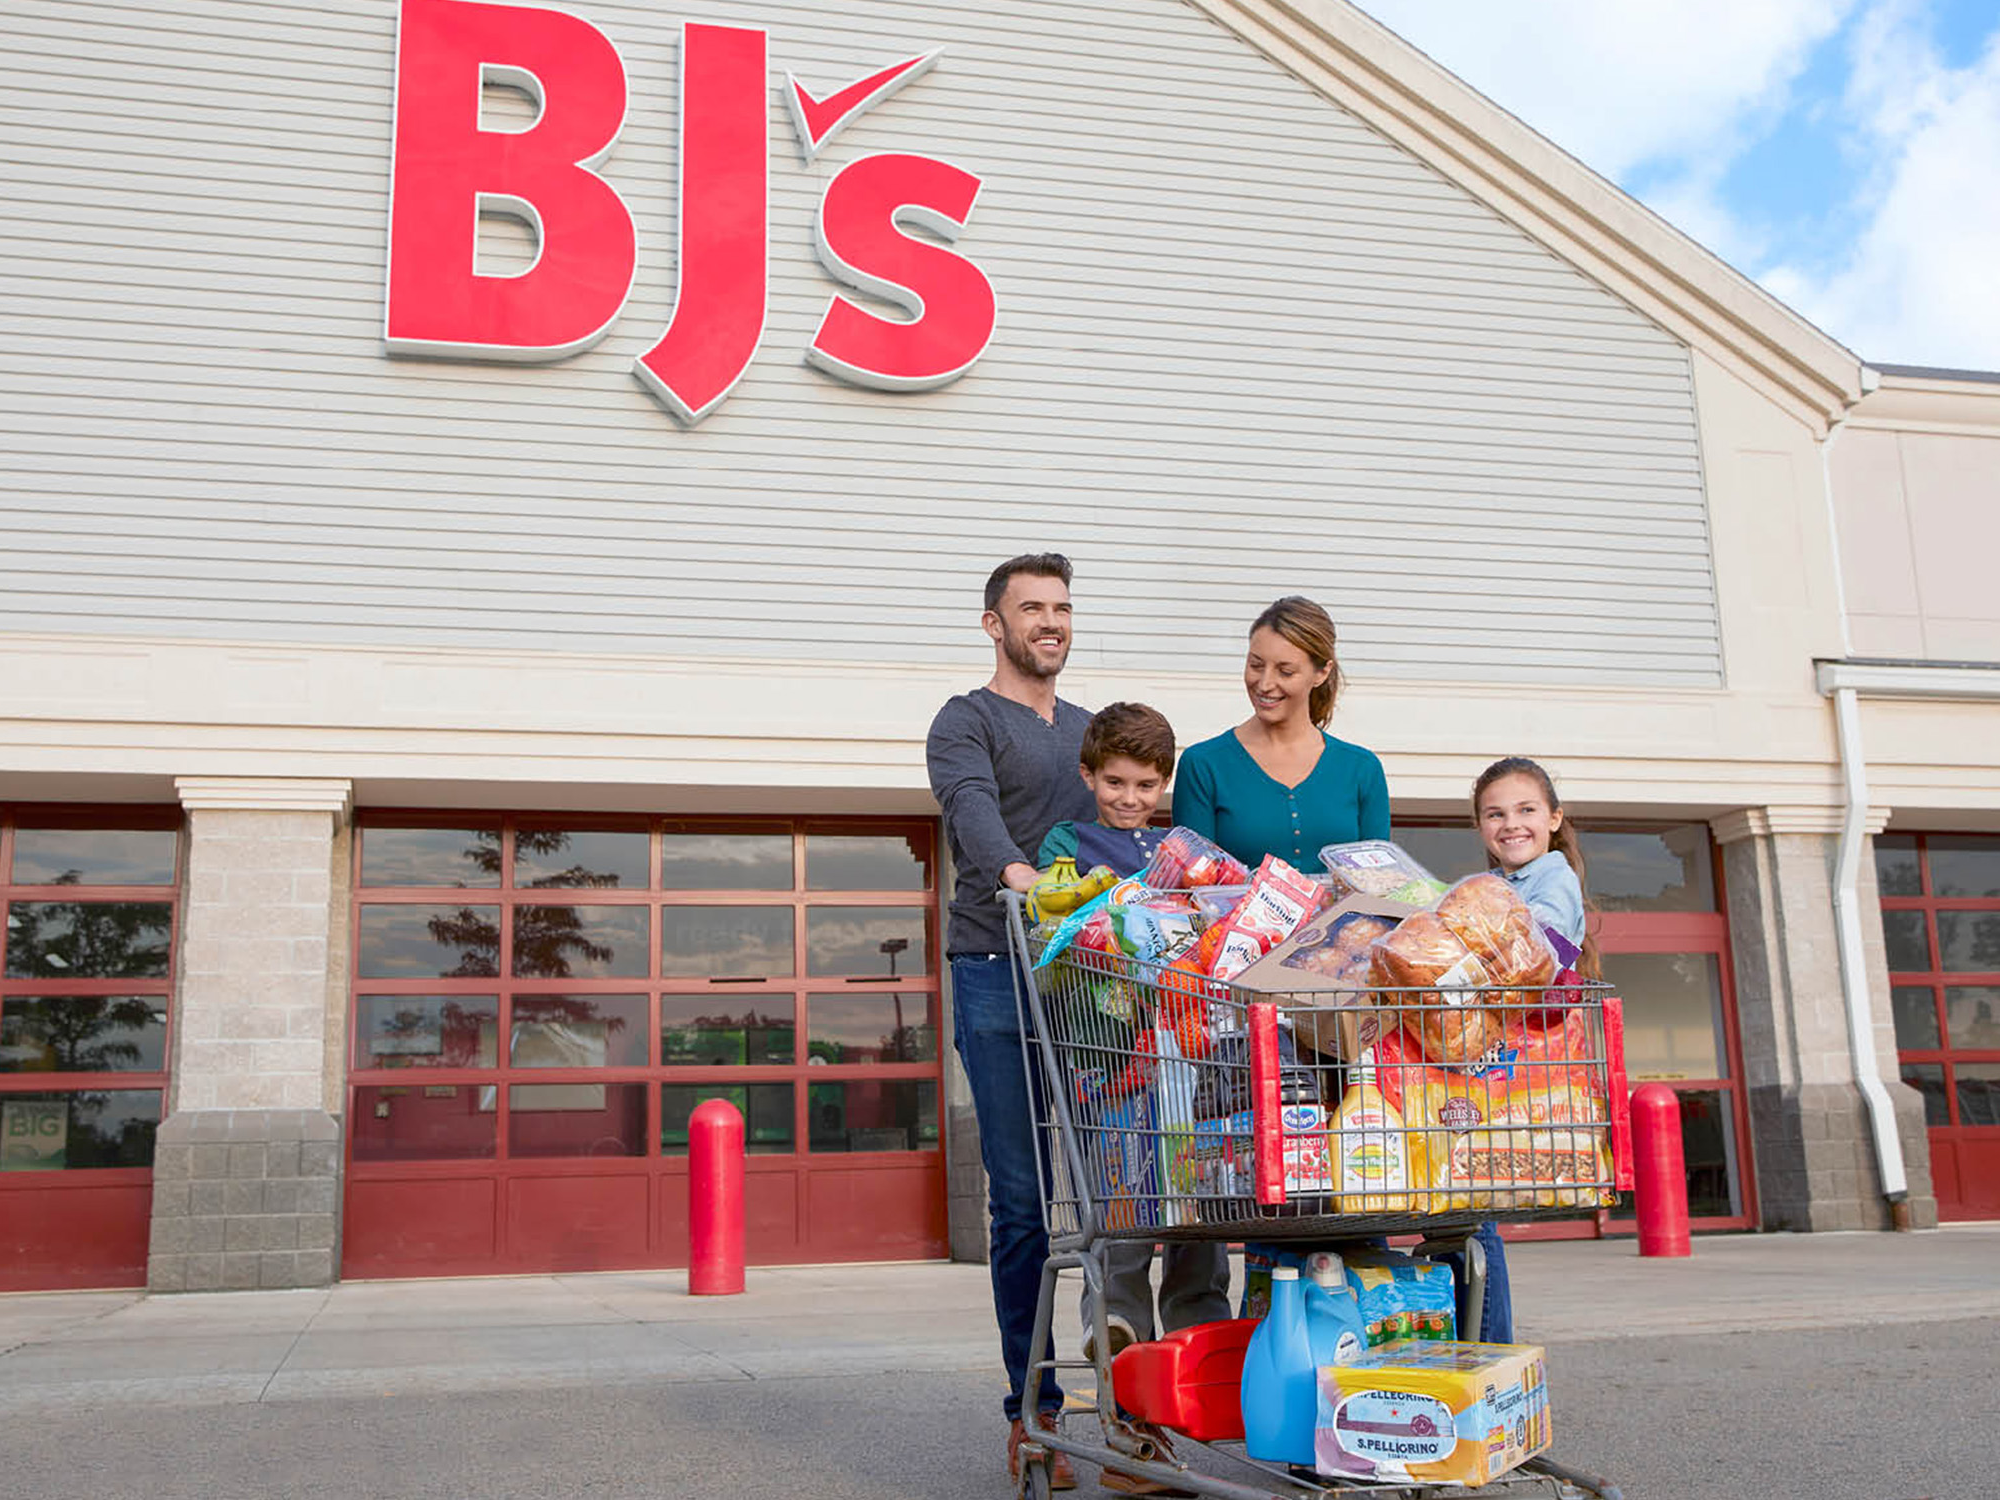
1936, 372
1360, 64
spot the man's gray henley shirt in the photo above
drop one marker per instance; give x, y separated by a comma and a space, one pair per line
1003, 776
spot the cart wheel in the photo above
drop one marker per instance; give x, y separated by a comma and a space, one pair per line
1035, 1484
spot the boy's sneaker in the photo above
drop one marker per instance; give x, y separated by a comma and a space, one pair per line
1122, 1336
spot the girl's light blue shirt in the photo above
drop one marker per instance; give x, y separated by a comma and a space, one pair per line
1553, 894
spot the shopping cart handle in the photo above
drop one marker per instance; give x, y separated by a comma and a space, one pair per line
1266, 1124
1619, 1093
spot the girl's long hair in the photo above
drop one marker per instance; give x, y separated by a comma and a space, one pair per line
1565, 839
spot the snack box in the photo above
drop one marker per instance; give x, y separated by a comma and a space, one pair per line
1305, 973
1421, 1412
1191, 1380
1124, 1152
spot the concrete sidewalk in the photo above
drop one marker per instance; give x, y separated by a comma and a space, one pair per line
371, 1339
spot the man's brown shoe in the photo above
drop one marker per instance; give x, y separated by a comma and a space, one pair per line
1062, 1474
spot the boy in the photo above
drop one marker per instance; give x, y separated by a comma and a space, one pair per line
1127, 758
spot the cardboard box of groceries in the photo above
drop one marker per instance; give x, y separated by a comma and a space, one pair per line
1320, 975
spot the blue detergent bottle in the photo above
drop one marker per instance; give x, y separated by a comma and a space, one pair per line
1280, 1380
1333, 1313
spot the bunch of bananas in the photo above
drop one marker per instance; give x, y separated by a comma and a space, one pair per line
1059, 890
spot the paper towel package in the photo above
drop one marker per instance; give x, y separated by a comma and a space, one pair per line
1433, 1412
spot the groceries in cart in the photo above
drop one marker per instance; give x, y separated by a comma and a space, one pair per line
1447, 1413
1376, 867
1060, 890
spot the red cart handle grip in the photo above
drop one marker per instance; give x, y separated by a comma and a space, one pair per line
1620, 1093
1266, 1123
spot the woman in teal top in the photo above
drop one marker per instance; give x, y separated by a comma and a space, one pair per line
1278, 783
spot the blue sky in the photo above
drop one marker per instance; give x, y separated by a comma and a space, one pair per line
1843, 153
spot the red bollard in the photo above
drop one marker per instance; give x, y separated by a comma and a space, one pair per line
715, 1199
1660, 1175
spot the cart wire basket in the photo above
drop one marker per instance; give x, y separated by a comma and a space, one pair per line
1169, 1106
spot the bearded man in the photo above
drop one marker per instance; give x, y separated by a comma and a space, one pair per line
1003, 766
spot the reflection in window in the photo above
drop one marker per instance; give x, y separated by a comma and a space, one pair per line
1708, 1145
701, 861
1968, 941
429, 942
1908, 945
1673, 1013
426, 1031
867, 862
423, 1122
1965, 864
1897, 872
866, 1028
1915, 1008
871, 942
94, 856
726, 942
546, 858
455, 857
726, 1030
766, 1109
83, 1034
578, 1031
1664, 869
1928, 1080
1972, 1016
88, 939
865, 1115
576, 1119
58, 1132
581, 942
1978, 1086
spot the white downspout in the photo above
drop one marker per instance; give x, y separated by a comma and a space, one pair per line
1847, 870
1853, 967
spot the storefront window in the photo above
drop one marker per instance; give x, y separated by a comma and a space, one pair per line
867, 862
94, 856
86, 977
581, 942
550, 858
58, 1132
766, 1109
1941, 930
449, 857
726, 942
669, 970
1673, 1014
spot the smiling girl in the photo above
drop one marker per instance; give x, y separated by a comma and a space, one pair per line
1278, 783
1532, 843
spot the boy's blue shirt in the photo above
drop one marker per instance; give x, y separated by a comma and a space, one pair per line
1126, 850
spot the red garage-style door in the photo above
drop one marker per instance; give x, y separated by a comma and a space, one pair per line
86, 972
539, 1004
1941, 926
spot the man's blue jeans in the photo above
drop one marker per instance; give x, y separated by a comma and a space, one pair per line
986, 1028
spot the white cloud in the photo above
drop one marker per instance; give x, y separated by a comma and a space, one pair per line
1624, 85
1919, 284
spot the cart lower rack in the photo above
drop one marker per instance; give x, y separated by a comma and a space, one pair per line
1170, 1107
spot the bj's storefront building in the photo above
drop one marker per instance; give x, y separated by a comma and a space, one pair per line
494, 495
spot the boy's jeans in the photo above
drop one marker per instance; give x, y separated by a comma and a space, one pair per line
986, 1029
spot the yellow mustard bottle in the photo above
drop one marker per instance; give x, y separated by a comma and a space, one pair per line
1370, 1147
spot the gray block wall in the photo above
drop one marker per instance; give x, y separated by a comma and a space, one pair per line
244, 1199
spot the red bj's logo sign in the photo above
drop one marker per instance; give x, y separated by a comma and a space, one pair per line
448, 169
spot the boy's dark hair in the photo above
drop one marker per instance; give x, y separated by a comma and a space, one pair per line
1036, 564
1132, 730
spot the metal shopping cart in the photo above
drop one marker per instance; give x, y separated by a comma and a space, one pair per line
1169, 1107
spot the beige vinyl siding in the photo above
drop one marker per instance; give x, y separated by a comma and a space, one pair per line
1246, 347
